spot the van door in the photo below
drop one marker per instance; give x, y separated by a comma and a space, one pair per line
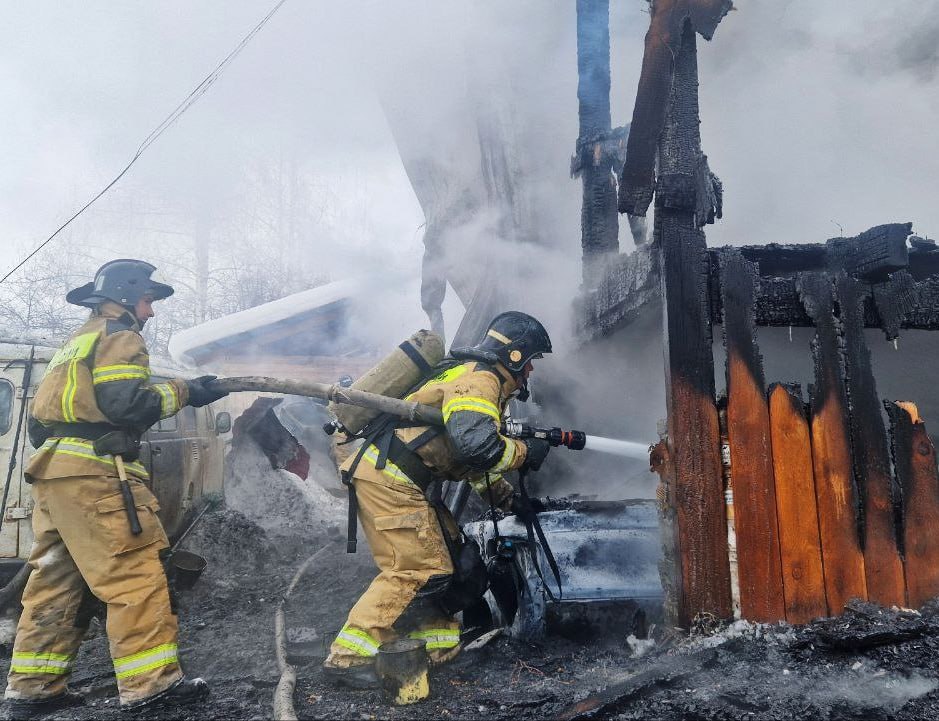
19, 499
163, 452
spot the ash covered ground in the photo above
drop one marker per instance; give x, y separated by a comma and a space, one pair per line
871, 663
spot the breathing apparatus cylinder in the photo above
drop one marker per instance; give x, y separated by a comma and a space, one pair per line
394, 376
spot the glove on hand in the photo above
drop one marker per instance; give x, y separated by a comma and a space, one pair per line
200, 394
525, 507
537, 451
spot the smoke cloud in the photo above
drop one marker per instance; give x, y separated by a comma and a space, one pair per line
297, 166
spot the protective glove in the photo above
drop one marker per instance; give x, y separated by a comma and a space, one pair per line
200, 394
537, 451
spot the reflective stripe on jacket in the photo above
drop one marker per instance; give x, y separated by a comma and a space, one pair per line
102, 376
472, 398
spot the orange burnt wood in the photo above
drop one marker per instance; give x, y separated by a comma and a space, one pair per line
872, 469
751, 451
915, 460
842, 559
799, 540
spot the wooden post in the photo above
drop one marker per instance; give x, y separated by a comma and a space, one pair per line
831, 452
751, 450
665, 137
915, 459
800, 544
599, 223
693, 431
882, 564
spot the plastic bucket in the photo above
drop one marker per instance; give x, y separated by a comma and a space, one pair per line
187, 568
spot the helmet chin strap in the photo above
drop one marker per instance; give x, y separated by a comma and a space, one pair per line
521, 391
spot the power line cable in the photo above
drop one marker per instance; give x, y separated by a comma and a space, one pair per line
168, 121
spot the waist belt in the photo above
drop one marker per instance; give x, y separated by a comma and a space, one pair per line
87, 431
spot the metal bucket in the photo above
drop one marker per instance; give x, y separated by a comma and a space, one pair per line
187, 567
402, 669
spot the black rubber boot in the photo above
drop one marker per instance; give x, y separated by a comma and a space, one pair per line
26, 708
184, 691
361, 677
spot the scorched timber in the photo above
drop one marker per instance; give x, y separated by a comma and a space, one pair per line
914, 458
693, 430
872, 471
751, 451
835, 490
800, 544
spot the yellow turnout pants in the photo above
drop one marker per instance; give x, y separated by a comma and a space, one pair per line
406, 541
83, 541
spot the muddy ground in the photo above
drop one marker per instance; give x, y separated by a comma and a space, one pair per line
870, 664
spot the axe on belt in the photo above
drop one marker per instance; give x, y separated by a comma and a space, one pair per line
119, 444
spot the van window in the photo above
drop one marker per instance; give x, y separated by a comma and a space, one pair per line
7, 394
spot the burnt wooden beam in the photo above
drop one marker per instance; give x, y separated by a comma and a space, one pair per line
873, 255
599, 222
914, 458
693, 432
751, 450
835, 490
799, 539
631, 283
897, 304
669, 22
907, 298
872, 470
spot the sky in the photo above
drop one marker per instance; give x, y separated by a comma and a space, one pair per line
818, 115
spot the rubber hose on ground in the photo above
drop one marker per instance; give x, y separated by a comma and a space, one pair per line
283, 695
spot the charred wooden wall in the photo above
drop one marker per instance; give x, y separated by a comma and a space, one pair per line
830, 503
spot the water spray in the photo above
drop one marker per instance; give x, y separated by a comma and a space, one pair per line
577, 440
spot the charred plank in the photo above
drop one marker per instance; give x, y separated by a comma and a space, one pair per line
876, 486
835, 488
751, 451
656, 81
662, 673
914, 458
799, 540
866, 625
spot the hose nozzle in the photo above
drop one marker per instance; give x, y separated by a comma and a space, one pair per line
575, 440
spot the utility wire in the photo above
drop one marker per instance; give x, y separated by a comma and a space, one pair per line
168, 121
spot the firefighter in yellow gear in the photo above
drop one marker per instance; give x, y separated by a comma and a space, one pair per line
98, 383
412, 539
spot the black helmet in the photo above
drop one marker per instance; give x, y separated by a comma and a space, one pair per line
124, 281
515, 338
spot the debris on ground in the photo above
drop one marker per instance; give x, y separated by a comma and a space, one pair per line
871, 662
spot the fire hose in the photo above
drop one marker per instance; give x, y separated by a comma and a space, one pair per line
284, 709
410, 410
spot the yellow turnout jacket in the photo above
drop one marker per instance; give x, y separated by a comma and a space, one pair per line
98, 381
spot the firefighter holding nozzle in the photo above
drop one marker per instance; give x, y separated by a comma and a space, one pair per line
414, 540
94, 521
